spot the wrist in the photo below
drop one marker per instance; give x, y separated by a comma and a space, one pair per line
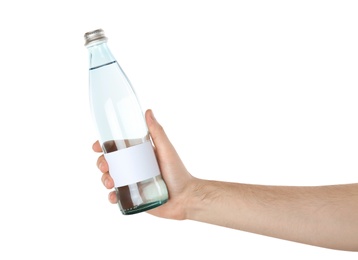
204, 200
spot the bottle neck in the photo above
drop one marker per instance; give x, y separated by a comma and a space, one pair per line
100, 55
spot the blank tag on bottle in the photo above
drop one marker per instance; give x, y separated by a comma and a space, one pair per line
133, 164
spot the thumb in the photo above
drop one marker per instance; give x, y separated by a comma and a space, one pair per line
161, 142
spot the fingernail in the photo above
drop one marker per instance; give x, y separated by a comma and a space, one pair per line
106, 182
152, 116
101, 166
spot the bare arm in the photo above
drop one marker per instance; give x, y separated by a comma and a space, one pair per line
325, 216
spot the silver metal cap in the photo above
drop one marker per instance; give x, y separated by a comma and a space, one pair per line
94, 37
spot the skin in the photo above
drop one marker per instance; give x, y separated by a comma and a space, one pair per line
324, 216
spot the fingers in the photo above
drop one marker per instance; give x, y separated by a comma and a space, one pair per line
102, 164
97, 147
106, 178
103, 167
112, 197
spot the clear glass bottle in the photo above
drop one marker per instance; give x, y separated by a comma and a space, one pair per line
123, 133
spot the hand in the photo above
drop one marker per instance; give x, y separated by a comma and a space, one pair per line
179, 181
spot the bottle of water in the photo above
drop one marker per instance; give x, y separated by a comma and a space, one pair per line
123, 133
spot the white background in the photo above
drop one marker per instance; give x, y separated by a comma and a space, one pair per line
258, 92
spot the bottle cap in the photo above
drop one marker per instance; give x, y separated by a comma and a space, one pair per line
94, 37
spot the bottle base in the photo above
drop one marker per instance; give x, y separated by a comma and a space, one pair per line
143, 207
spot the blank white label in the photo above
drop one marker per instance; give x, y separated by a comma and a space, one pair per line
133, 164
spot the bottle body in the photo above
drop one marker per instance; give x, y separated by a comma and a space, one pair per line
123, 134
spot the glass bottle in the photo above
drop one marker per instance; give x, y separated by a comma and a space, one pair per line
123, 133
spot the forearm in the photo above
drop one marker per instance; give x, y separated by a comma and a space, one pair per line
325, 216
